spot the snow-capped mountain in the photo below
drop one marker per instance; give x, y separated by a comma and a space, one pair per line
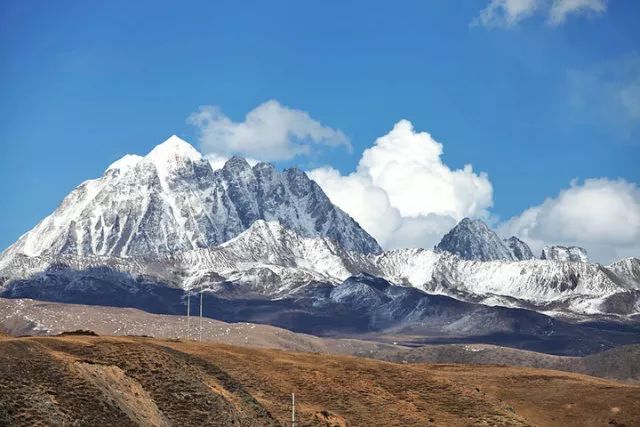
169, 221
171, 200
278, 260
564, 253
472, 239
273, 262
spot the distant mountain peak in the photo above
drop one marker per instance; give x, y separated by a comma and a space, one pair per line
519, 249
237, 162
564, 253
472, 239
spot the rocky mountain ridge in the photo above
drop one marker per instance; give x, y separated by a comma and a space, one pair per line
172, 200
473, 240
564, 253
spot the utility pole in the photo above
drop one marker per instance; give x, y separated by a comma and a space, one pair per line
201, 289
293, 410
189, 313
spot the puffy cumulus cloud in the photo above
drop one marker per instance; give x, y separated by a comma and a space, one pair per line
271, 131
407, 165
601, 215
402, 193
508, 13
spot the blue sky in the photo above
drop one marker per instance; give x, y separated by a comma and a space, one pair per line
534, 105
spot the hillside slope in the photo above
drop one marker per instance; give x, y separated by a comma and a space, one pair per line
140, 381
29, 317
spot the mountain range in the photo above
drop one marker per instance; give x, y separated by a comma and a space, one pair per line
270, 247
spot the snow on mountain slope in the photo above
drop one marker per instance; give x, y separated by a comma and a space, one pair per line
269, 251
272, 261
171, 201
571, 286
564, 253
519, 250
411, 267
540, 283
628, 269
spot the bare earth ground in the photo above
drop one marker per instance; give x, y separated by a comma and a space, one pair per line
30, 317
100, 381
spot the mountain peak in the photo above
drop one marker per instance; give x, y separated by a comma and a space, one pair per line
236, 162
564, 253
519, 249
472, 239
174, 148
473, 224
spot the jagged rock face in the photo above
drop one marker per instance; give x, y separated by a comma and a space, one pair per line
519, 250
474, 240
564, 253
172, 200
629, 269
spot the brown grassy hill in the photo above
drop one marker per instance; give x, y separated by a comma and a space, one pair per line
620, 362
31, 317
99, 381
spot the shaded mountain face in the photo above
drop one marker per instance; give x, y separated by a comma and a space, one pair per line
564, 253
472, 239
172, 200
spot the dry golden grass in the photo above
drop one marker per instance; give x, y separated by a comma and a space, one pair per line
143, 381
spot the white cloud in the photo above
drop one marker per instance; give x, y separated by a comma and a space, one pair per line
601, 215
407, 165
402, 192
508, 13
271, 131
560, 9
